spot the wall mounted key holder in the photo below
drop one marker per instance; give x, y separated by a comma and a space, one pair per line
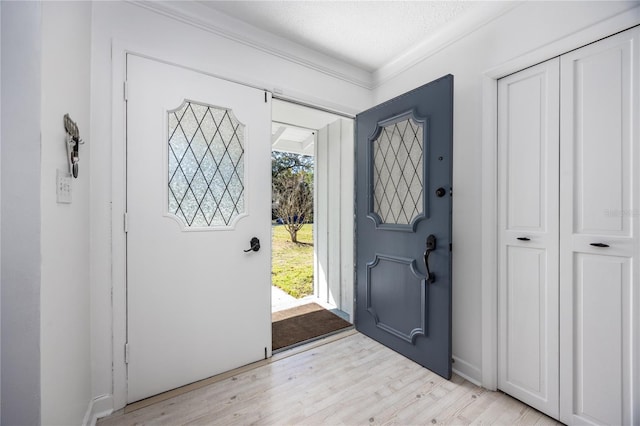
73, 141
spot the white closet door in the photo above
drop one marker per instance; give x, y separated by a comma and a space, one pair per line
528, 132
599, 192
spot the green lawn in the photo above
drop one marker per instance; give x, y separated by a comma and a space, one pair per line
292, 264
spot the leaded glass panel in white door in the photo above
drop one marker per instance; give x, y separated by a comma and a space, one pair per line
398, 169
206, 165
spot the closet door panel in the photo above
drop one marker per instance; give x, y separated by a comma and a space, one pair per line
528, 132
601, 142
601, 284
599, 297
525, 315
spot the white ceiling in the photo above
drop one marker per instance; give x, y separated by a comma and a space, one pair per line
288, 138
294, 127
366, 34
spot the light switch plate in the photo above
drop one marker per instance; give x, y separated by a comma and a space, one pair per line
63, 187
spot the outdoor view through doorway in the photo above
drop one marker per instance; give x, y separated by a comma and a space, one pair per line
292, 225
299, 314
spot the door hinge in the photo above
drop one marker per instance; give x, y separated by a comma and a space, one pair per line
126, 222
126, 353
125, 91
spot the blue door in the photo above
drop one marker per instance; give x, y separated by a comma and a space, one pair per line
403, 224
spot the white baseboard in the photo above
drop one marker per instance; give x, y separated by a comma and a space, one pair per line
100, 406
467, 371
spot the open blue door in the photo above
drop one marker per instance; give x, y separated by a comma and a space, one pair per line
403, 224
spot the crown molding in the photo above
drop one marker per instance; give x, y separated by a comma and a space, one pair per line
471, 21
200, 16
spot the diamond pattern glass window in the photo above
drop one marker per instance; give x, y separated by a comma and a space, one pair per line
206, 165
398, 172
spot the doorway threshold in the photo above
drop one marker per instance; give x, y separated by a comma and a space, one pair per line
315, 339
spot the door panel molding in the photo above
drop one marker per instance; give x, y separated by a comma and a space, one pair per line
417, 326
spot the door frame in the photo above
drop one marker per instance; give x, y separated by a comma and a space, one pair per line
322, 251
118, 255
489, 182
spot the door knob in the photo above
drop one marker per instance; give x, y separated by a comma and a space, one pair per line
255, 245
431, 247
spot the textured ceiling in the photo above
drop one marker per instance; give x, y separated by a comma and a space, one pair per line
367, 34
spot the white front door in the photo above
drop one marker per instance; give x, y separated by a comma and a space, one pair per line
198, 191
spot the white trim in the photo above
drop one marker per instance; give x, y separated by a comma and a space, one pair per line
466, 371
579, 38
99, 407
118, 236
295, 101
489, 220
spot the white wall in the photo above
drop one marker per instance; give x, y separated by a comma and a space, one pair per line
138, 29
528, 27
64, 293
20, 244
45, 262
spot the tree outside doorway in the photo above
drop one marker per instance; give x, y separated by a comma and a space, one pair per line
292, 215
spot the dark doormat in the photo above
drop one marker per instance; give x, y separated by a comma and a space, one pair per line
302, 323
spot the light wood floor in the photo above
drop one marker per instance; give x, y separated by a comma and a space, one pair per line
350, 381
